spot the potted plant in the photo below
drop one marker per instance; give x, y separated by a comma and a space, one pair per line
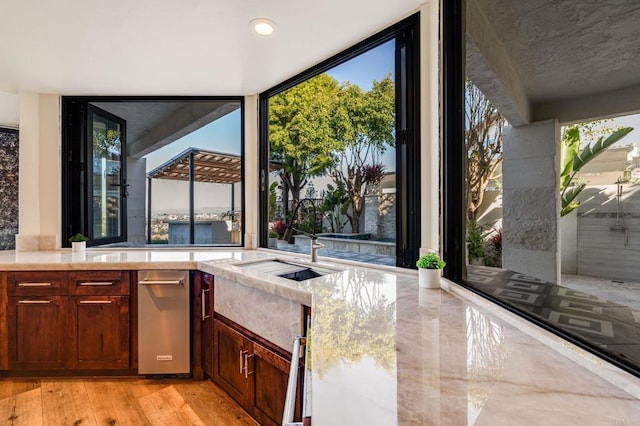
429, 270
273, 239
78, 242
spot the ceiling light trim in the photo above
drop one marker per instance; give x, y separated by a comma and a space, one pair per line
263, 27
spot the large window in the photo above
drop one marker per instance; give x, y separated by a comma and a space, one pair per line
339, 153
539, 186
161, 171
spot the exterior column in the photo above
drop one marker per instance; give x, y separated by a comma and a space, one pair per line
531, 200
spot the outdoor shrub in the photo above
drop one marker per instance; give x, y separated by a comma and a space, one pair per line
279, 227
475, 240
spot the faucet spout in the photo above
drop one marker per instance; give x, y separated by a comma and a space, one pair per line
288, 234
315, 246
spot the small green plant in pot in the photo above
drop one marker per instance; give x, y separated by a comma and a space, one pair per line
78, 242
273, 239
429, 267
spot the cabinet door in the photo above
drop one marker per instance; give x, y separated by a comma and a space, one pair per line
232, 351
271, 374
101, 333
35, 328
207, 324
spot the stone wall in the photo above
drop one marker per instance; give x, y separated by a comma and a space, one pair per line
8, 188
531, 200
608, 246
380, 215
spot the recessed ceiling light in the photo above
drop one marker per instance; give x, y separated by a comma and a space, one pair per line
263, 26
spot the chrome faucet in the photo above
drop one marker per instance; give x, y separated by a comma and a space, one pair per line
288, 234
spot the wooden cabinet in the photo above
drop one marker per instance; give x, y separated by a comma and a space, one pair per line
100, 327
99, 283
76, 320
36, 327
202, 325
206, 310
230, 369
271, 373
251, 373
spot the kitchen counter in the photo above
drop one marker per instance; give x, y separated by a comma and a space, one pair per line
385, 352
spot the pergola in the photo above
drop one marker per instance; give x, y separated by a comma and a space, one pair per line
197, 165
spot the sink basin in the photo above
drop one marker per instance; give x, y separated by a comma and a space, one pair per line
289, 270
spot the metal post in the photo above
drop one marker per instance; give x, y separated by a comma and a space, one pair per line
192, 224
148, 210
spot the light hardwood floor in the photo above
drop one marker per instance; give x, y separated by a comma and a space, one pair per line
116, 401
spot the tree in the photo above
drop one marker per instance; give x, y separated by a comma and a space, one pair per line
365, 124
302, 134
483, 142
573, 159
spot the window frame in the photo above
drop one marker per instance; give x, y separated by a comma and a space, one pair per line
74, 155
407, 81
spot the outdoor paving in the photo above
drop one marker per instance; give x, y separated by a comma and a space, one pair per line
590, 309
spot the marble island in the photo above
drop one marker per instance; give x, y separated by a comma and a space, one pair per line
385, 352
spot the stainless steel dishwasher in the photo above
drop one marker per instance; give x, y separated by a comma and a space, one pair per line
163, 322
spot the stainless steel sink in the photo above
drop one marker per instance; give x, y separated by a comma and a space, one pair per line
289, 270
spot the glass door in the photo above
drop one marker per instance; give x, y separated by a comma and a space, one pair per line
106, 140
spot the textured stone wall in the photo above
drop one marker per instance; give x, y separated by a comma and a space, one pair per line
531, 199
380, 215
8, 188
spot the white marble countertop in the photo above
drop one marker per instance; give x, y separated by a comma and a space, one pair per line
388, 353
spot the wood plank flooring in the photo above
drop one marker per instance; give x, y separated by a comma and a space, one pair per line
116, 402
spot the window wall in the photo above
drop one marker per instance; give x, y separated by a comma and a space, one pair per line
539, 195
166, 171
337, 145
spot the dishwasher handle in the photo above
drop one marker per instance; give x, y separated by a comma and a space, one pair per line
290, 400
160, 282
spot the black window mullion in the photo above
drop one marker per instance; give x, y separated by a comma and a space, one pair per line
453, 155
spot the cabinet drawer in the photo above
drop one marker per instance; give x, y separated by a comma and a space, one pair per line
36, 283
99, 283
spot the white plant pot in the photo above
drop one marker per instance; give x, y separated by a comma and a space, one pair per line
78, 246
429, 278
272, 243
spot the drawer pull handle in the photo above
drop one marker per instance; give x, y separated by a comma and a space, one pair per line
161, 282
204, 304
95, 283
95, 302
247, 373
34, 302
34, 284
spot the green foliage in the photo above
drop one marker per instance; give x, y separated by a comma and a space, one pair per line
78, 238
302, 131
573, 159
273, 207
335, 206
273, 234
106, 142
430, 261
365, 123
475, 240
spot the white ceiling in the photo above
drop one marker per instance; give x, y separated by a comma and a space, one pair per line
176, 47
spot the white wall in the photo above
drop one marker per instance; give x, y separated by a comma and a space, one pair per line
429, 126
9, 110
40, 175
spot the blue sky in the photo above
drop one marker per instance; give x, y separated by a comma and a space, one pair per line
223, 135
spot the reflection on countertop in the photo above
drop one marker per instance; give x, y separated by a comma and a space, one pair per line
385, 352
